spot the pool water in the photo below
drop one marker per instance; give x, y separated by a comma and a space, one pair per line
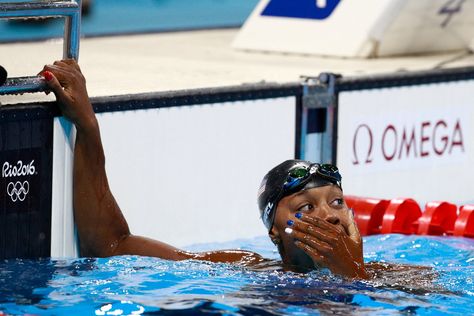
110, 17
131, 285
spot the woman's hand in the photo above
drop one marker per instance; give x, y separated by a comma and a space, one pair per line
331, 246
69, 85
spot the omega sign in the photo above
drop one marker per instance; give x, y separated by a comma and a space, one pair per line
18, 189
392, 142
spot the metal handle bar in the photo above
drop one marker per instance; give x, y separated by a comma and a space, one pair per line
70, 10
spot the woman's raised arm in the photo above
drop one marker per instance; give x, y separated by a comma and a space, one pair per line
103, 230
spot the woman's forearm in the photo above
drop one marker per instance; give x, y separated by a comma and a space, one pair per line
100, 222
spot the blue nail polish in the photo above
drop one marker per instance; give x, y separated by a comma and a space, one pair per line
298, 215
290, 222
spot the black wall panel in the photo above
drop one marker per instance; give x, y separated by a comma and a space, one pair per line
26, 148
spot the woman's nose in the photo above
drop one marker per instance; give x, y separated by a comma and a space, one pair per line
333, 219
328, 215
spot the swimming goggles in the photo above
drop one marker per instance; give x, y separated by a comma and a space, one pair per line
300, 175
296, 180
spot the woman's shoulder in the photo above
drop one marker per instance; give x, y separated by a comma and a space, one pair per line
404, 277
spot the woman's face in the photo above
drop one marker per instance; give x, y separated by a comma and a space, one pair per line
324, 203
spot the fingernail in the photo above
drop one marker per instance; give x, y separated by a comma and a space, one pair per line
298, 215
290, 222
288, 230
48, 76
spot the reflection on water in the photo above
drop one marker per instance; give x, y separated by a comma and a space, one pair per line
129, 285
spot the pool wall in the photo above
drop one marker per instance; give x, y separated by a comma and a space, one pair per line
179, 163
189, 172
185, 166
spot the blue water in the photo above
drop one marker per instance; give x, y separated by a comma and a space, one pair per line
109, 17
130, 285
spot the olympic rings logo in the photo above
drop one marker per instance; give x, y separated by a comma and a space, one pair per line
18, 190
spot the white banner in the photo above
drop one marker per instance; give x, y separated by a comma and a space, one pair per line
412, 141
182, 175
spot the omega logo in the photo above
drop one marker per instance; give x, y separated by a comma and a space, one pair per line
421, 140
361, 128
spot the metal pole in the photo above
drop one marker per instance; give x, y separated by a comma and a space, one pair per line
70, 10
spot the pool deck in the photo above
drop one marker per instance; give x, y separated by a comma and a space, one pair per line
195, 59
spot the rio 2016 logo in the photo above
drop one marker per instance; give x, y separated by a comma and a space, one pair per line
302, 9
18, 190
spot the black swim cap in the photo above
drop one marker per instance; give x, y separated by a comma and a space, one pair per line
3, 75
290, 177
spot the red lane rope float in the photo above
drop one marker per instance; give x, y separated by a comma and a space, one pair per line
400, 216
464, 225
437, 219
368, 213
404, 216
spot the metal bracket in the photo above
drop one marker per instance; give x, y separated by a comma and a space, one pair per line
318, 118
318, 92
70, 10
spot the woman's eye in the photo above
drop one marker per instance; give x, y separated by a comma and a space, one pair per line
305, 208
338, 202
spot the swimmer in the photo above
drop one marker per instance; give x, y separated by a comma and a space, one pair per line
301, 203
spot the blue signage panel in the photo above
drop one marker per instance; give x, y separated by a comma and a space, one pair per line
302, 9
